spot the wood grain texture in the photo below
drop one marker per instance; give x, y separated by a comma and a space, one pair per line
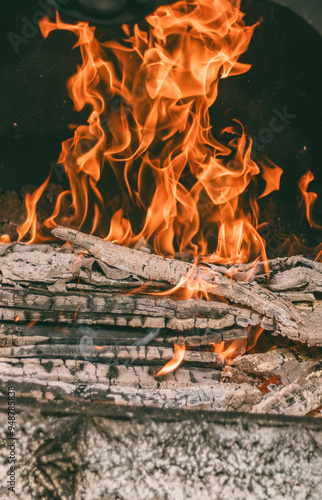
298, 398
137, 355
49, 284
17, 334
157, 268
164, 454
46, 380
286, 364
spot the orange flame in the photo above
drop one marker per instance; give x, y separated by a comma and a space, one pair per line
149, 135
4, 239
239, 346
173, 364
30, 223
271, 174
309, 198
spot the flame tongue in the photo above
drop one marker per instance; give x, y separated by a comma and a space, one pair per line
179, 350
149, 133
309, 198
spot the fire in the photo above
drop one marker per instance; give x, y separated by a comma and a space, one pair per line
149, 135
238, 346
176, 361
31, 220
309, 198
4, 239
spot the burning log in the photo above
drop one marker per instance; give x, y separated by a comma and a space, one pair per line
53, 379
287, 273
125, 311
287, 319
65, 294
299, 398
172, 271
286, 364
136, 355
13, 335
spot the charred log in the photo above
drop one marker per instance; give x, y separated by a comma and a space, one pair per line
299, 398
286, 364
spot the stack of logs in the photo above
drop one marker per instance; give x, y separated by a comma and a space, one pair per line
90, 321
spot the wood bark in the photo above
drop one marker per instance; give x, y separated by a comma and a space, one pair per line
287, 319
147, 454
286, 364
136, 355
40, 273
124, 310
285, 273
157, 268
46, 380
299, 398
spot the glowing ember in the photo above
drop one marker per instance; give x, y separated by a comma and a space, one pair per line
31, 324
149, 131
177, 359
5, 238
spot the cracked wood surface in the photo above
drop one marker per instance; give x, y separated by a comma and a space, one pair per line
124, 310
138, 355
286, 364
36, 264
286, 273
80, 373
37, 274
164, 454
137, 311
287, 319
59, 380
298, 398
157, 268
13, 334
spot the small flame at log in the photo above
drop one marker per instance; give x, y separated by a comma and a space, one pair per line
236, 348
176, 361
239, 346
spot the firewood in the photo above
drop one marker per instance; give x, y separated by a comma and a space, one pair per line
299, 398
52, 379
79, 371
286, 273
13, 335
51, 272
287, 364
157, 268
136, 355
288, 320
134, 311
137, 311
